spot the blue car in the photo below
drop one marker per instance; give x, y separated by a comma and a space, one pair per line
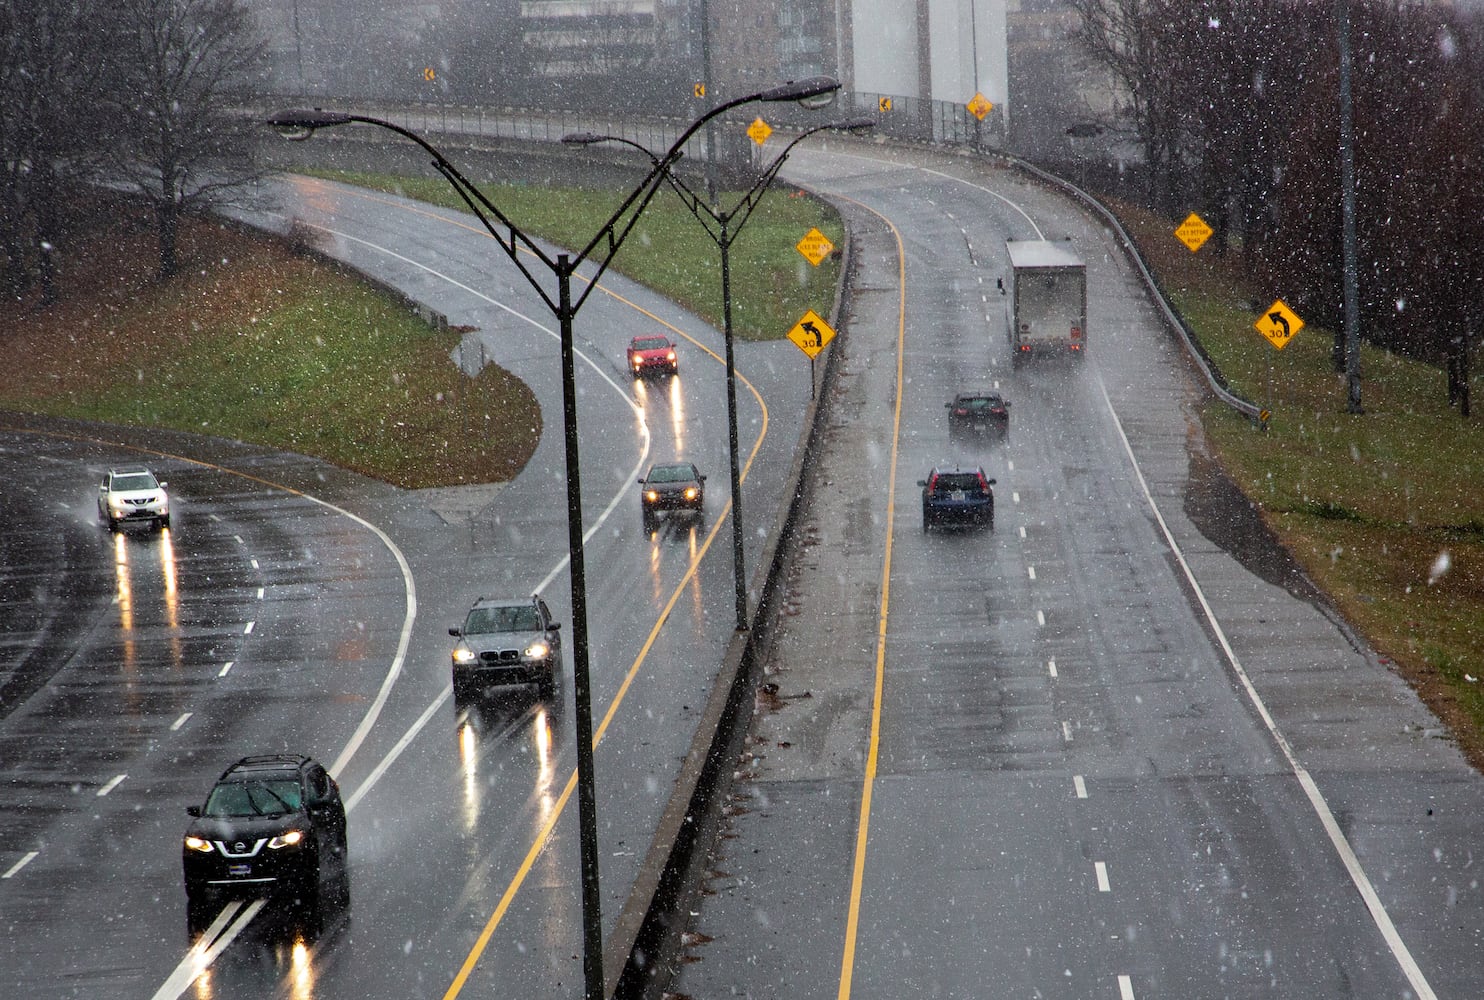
957, 495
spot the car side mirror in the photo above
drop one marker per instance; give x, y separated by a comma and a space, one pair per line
164, 485
703, 479
555, 626
922, 482
990, 481
455, 630
193, 811
1000, 284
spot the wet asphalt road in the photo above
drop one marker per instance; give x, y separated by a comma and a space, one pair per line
295, 607
1056, 773
1073, 792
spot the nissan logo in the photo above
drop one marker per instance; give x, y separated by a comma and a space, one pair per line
239, 847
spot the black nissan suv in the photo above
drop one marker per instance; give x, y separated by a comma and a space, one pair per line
272, 824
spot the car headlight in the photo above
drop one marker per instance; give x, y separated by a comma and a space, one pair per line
691, 492
289, 838
198, 844
670, 356
537, 650
463, 654
651, 495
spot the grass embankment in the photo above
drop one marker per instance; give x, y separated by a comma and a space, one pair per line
772, 284
261, 344
1385, 510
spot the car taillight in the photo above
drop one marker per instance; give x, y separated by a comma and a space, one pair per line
983, 486
960, 413
932, 484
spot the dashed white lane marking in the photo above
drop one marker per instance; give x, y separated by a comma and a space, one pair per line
26, 859
1066, 731
1022, 531
175, 726
1100, 868
1125, 988
249, 628
1080, 785
225, 667
254, 564
239, 540
214, 517
1015, 496
1051, 667
1040, 618
260, 593
1032, 571
113, 783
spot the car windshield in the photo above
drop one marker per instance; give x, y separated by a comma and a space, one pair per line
253, 798
517, 618
650, 343
977, 402
133, 481
672, 474
956, 481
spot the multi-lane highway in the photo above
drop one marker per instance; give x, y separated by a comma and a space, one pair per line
293, 607
1086, 755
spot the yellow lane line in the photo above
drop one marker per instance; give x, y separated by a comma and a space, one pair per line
852, 922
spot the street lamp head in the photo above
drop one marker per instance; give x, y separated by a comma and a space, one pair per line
584, 138
298, 124
853, 125
813, 92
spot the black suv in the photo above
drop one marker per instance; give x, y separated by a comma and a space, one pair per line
272, 824
507, 642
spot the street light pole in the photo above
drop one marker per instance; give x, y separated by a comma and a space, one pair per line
301, 124
723, 235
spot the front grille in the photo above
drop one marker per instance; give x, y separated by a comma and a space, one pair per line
500, 656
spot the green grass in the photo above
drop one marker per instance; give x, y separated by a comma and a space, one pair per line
668, 251
1385, 510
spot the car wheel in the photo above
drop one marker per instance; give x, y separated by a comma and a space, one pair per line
200, 911
927, 518
462, 689
546, 687
647, 518
162, 522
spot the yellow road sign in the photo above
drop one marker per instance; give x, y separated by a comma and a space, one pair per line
759, 131
699, 90
429, 74
810, 334
980, 106
1193, 232
883, 104
815, 246
1279, 323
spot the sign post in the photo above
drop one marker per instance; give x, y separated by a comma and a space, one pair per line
1279, 324
810, 335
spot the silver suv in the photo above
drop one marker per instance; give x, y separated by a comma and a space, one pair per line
132, 493
507, 642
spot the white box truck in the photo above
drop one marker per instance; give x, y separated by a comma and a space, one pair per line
1046, 301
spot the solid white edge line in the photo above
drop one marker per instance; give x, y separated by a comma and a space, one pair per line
223, 930
1321, 809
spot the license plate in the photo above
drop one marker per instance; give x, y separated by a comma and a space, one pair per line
956, 495
239, 871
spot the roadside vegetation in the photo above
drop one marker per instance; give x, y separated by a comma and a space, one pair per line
1383, 510
772, 284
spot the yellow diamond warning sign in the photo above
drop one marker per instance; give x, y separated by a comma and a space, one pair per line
980, 106
1279, 323
1193, 232
815, 246
759, 131
810, 334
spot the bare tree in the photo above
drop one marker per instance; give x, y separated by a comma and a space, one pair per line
186, 62
55, 63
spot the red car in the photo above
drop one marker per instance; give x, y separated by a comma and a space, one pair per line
652, 353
